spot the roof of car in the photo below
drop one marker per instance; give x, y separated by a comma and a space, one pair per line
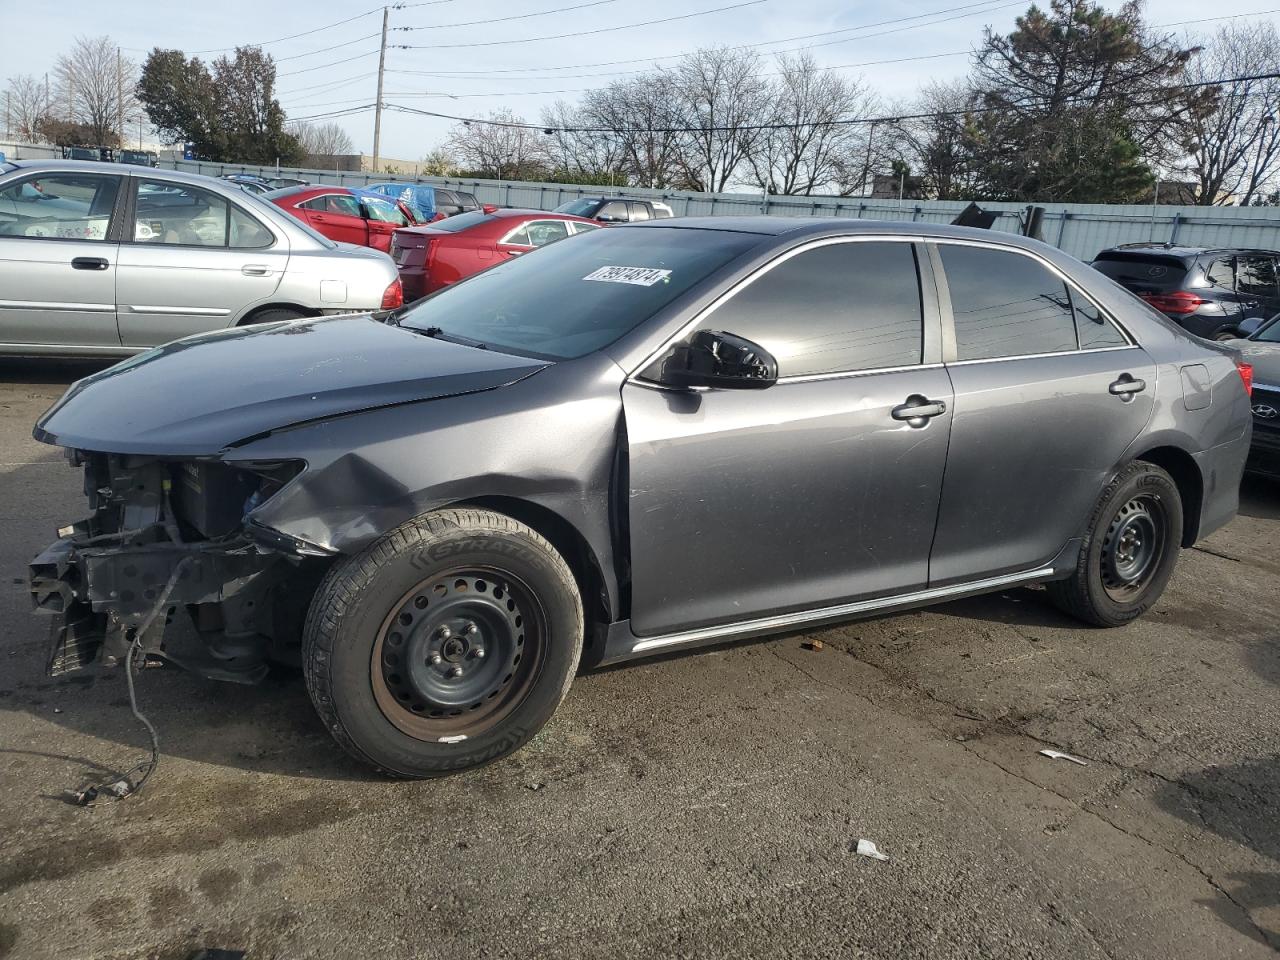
805, 226
120, 169
1181, 253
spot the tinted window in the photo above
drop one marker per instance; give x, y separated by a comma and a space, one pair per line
247, 233
1222, 273
1256, 276
468, 201
179, 215
639, 211
446, 198
62, 206
838, 307
1005, 304
615, 210
1142, 273
520, 238
542, 232
1093, 328
570, 299
579, 208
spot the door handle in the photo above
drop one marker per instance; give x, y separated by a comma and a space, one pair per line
89, 263
1126, 386
917, 410
255, 270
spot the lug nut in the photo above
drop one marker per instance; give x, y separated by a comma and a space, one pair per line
472, 629
479, 651
446, 632
455, 672
436, 658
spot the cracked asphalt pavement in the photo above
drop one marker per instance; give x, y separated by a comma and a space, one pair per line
699, 805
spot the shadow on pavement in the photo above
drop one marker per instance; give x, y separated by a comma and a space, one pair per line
23, 370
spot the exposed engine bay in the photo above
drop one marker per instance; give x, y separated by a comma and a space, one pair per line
168, 534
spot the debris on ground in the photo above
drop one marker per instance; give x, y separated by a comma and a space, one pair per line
535, 785
868, 848
812, 644
1059, 755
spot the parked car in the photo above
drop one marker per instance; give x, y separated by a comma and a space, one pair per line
1210, 292
639, 441
107, 261
279, 183
80, 153
430, 203
348, 216
616, 209
453, 202
247, 181
1262, 350
433, 256
141, 158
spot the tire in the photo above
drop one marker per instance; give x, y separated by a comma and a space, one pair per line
274, 315
446, 644
1129, 550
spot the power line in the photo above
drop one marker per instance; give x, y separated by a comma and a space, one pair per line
294, 36
511, 124
325, 66
326, 84
336, 46
585, 33
518, 16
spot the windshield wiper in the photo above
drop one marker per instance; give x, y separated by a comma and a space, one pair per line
440, 334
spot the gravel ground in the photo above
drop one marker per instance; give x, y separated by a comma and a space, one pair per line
699, 805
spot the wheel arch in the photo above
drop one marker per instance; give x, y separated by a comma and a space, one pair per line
281, 305
571, 544
1182, 467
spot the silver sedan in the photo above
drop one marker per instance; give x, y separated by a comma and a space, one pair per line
100, 259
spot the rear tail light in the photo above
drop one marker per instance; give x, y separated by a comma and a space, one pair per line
1179, 302
1246, 376
393, 296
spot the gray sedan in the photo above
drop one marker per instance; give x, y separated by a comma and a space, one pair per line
104, 259
641, 440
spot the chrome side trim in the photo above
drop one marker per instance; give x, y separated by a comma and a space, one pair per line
1265, 386
785, 621
182, 311
1040, 356
57, 307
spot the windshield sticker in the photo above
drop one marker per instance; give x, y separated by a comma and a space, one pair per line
639, 276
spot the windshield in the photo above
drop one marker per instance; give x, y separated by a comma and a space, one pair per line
579, 208
571, 298
1142, 273
1269, 333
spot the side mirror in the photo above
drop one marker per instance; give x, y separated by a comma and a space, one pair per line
716, 359
1248, 327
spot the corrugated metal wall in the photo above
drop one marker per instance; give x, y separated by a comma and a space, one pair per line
1078, 228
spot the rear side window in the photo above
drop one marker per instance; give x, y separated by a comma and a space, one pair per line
832, 309
615, 210
1005, 304
1093, 329
1256, 276
1142, 273
639, 211
1222, 273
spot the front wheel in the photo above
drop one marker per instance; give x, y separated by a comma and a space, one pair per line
1129, 549
446, 644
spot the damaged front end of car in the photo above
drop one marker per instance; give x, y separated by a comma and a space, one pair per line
165, 534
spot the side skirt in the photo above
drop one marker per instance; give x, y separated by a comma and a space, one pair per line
622, 644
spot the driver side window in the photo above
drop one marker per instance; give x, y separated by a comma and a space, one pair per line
835, 308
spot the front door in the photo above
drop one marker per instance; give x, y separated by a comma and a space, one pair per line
195, 263
384, 219
1049, 394
818, 490
338, 216
57, 265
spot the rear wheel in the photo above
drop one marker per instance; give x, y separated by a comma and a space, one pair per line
274, 315
445, 645
1129, 550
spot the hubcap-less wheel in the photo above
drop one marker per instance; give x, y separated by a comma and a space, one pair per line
1133, 544
458, 653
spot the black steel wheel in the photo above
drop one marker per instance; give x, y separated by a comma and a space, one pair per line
1129, 549
447, 644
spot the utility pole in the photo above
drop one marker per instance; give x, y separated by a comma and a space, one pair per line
377, 108
120, 95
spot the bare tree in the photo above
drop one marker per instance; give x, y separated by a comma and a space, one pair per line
322, 139
722, 98
935, 141
95, 88
501, 149
25, 104
581, 156
1234, 144
812, 108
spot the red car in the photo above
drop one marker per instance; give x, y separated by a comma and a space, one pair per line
348, 216
433, 256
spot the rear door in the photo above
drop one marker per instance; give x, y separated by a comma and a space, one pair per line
817, 490
195, 262
1257, 285
1049, 393
58, 259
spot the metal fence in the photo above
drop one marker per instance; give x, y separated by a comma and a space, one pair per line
1081, 229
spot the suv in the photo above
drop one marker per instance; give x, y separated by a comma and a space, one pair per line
100, 260
453, 202
616, 209
1210, 292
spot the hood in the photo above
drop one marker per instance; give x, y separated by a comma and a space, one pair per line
1265, 358
198, 396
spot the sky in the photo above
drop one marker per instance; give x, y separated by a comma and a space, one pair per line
470, 57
